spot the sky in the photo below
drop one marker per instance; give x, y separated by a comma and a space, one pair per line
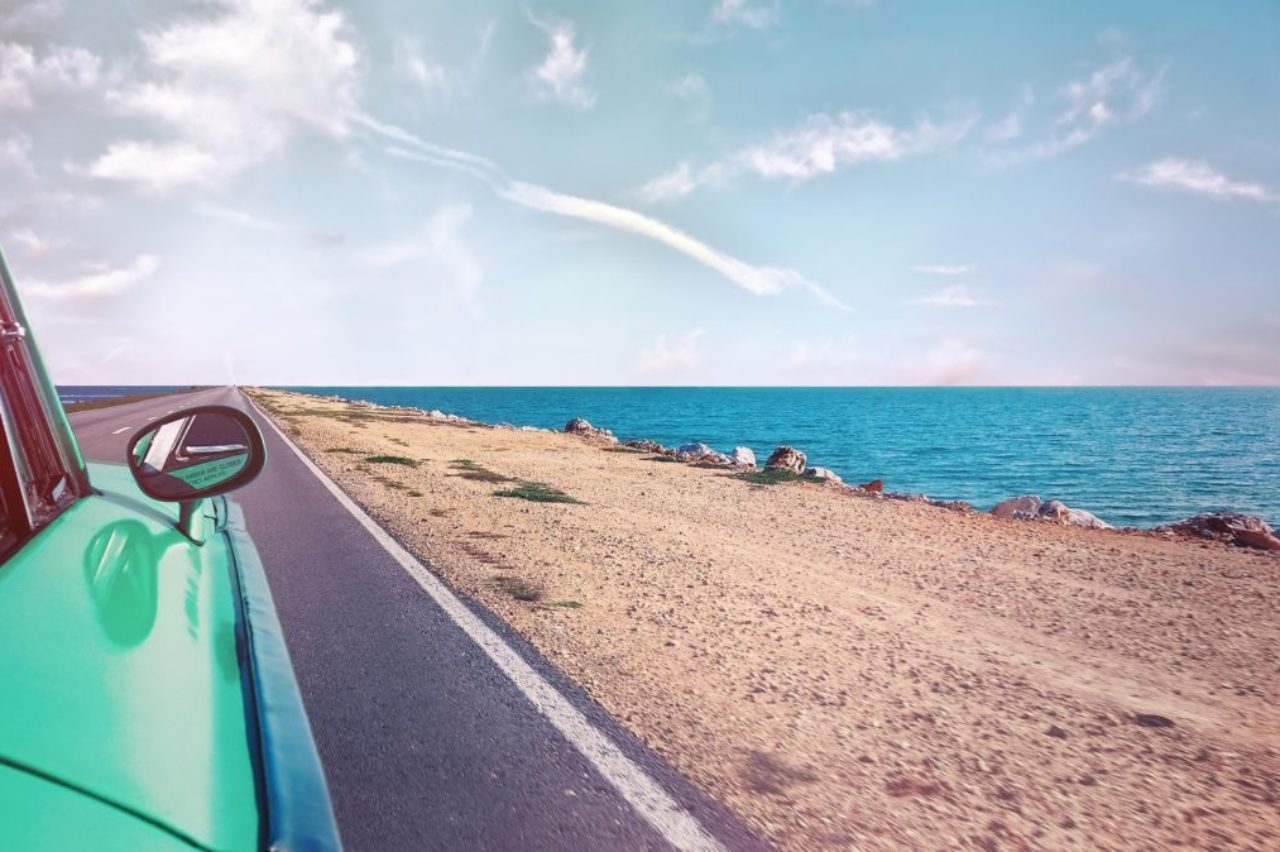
687, 192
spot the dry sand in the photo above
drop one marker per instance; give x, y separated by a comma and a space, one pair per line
846, 672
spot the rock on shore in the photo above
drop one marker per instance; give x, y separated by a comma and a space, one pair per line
825, 474
743, 457
1029, 507
788, 459
1230, 527
693, 452
649, 446
580, 426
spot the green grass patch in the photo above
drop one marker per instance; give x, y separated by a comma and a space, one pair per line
470, 470
346, 450
663, 459
538, 492
565, 604
773, 477
401, 460
619, 448
519, 589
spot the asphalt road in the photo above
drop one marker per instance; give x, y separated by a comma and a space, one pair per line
426, 743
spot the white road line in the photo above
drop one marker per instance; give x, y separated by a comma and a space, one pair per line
121, 429
679, 827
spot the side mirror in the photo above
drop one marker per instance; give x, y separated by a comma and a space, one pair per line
196, 453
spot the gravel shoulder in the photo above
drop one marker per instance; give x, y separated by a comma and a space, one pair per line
844, 671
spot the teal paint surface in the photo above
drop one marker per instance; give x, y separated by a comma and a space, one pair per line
118, 659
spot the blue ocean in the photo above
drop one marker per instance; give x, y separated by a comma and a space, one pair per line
92, 393
1133, 456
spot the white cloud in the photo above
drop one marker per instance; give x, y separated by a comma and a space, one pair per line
32, 16
759, 280
946, 269
23, 74
820, 145
824, 144
438, 82
23, 211
32, 244
100, 281
956, 296
159, 167
562, 74
676, 183
15, 154
442, 249
435, 81
1199, 178
1117, 92
1011, 126
743, 13
691, 87
667, 356
232, 90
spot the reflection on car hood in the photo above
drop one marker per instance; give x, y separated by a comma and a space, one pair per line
118, 656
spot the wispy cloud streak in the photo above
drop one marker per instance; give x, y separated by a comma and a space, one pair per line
100, 282
1198, 178
758, 280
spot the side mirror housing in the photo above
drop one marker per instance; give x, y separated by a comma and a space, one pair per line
196, 453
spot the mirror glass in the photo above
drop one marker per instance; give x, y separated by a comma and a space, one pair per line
192, 455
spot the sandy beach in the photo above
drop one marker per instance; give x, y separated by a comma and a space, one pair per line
847, 671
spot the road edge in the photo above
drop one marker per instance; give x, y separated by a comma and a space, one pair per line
647, 797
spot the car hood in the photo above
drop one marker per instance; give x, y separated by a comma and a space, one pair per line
118, 656
41, 813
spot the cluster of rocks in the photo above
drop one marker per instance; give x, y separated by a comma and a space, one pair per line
438, 416
1227, 527
1232, 528
1029, 507
697, 453
791, 460
583, 428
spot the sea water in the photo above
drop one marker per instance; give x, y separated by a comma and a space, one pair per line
1133, 456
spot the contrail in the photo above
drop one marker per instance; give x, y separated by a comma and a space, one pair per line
759, 280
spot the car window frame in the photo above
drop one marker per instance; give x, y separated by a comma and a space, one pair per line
37, 435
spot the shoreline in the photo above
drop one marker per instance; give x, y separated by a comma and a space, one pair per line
846, 671
1022, 507
109, 401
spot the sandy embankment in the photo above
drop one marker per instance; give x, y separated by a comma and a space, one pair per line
843, 671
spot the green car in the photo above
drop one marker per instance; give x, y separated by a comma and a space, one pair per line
147, 700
